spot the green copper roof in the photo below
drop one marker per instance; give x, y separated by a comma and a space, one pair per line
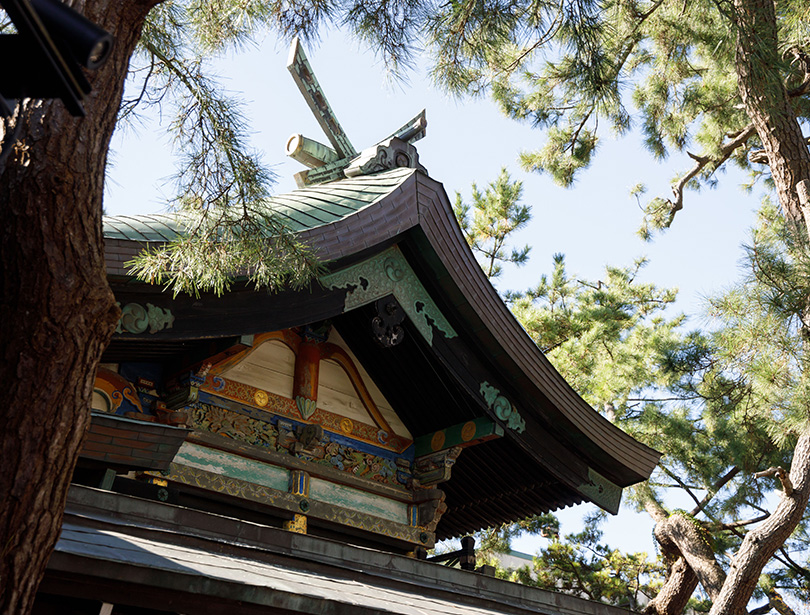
302, 209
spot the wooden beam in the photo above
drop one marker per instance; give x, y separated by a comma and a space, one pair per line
462, 435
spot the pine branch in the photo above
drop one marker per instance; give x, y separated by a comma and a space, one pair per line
701, 162
717, 486
787, 485
792, 564
736, 524
683, 486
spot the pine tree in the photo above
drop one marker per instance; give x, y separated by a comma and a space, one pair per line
720, 405
729, 78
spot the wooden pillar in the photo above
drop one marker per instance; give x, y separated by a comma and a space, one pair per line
305, 378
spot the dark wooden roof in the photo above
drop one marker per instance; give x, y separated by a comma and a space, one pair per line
567, 450
151, 555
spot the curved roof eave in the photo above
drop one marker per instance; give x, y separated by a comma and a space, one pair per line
431, 213
376, 210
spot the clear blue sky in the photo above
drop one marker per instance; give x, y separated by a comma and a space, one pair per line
593, 223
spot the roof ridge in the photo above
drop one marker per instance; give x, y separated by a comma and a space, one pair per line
304, 208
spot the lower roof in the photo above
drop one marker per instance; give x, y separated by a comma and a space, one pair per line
128, 551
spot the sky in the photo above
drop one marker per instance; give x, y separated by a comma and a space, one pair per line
593, 223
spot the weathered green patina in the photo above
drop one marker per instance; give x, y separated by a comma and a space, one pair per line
361, 501
602, 491
502, 407
234, 466
302, 210
388, 273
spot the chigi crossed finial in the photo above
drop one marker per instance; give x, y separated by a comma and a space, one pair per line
342, 160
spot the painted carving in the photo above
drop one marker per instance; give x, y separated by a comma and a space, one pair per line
346, 426
261, 398
308, 442
435, 468
516, 422
310, 348
306, 406
232, 425
502, 407
429, 507
285, 407
115, 394
136, 318
388, 273
297, 524
602, 491
299, 483
360, 464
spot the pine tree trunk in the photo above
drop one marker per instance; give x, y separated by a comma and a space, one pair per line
762, 542
678, 588
767, 103
678, 534
58, 312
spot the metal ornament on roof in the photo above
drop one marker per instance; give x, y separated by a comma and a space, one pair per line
341, 159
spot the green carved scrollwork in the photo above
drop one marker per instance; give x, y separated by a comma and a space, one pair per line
388, 273
502, 407
602, 491
136, 318
516, 422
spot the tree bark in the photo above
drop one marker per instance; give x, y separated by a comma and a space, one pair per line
673, 597
767, 103
762, 542
694, 561
58, 312
680, 535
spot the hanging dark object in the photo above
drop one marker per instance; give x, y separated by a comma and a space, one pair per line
44, 58
386, 325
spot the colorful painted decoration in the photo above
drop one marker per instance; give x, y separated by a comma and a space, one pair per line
217, 386
346, 425
461, 435
261, 398
232, 425
114, 394
468, 431
303, 441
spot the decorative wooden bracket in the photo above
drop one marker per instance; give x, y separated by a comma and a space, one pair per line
387, 324
435, 468
461, 435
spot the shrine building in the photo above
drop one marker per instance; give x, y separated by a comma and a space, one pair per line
301, 451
